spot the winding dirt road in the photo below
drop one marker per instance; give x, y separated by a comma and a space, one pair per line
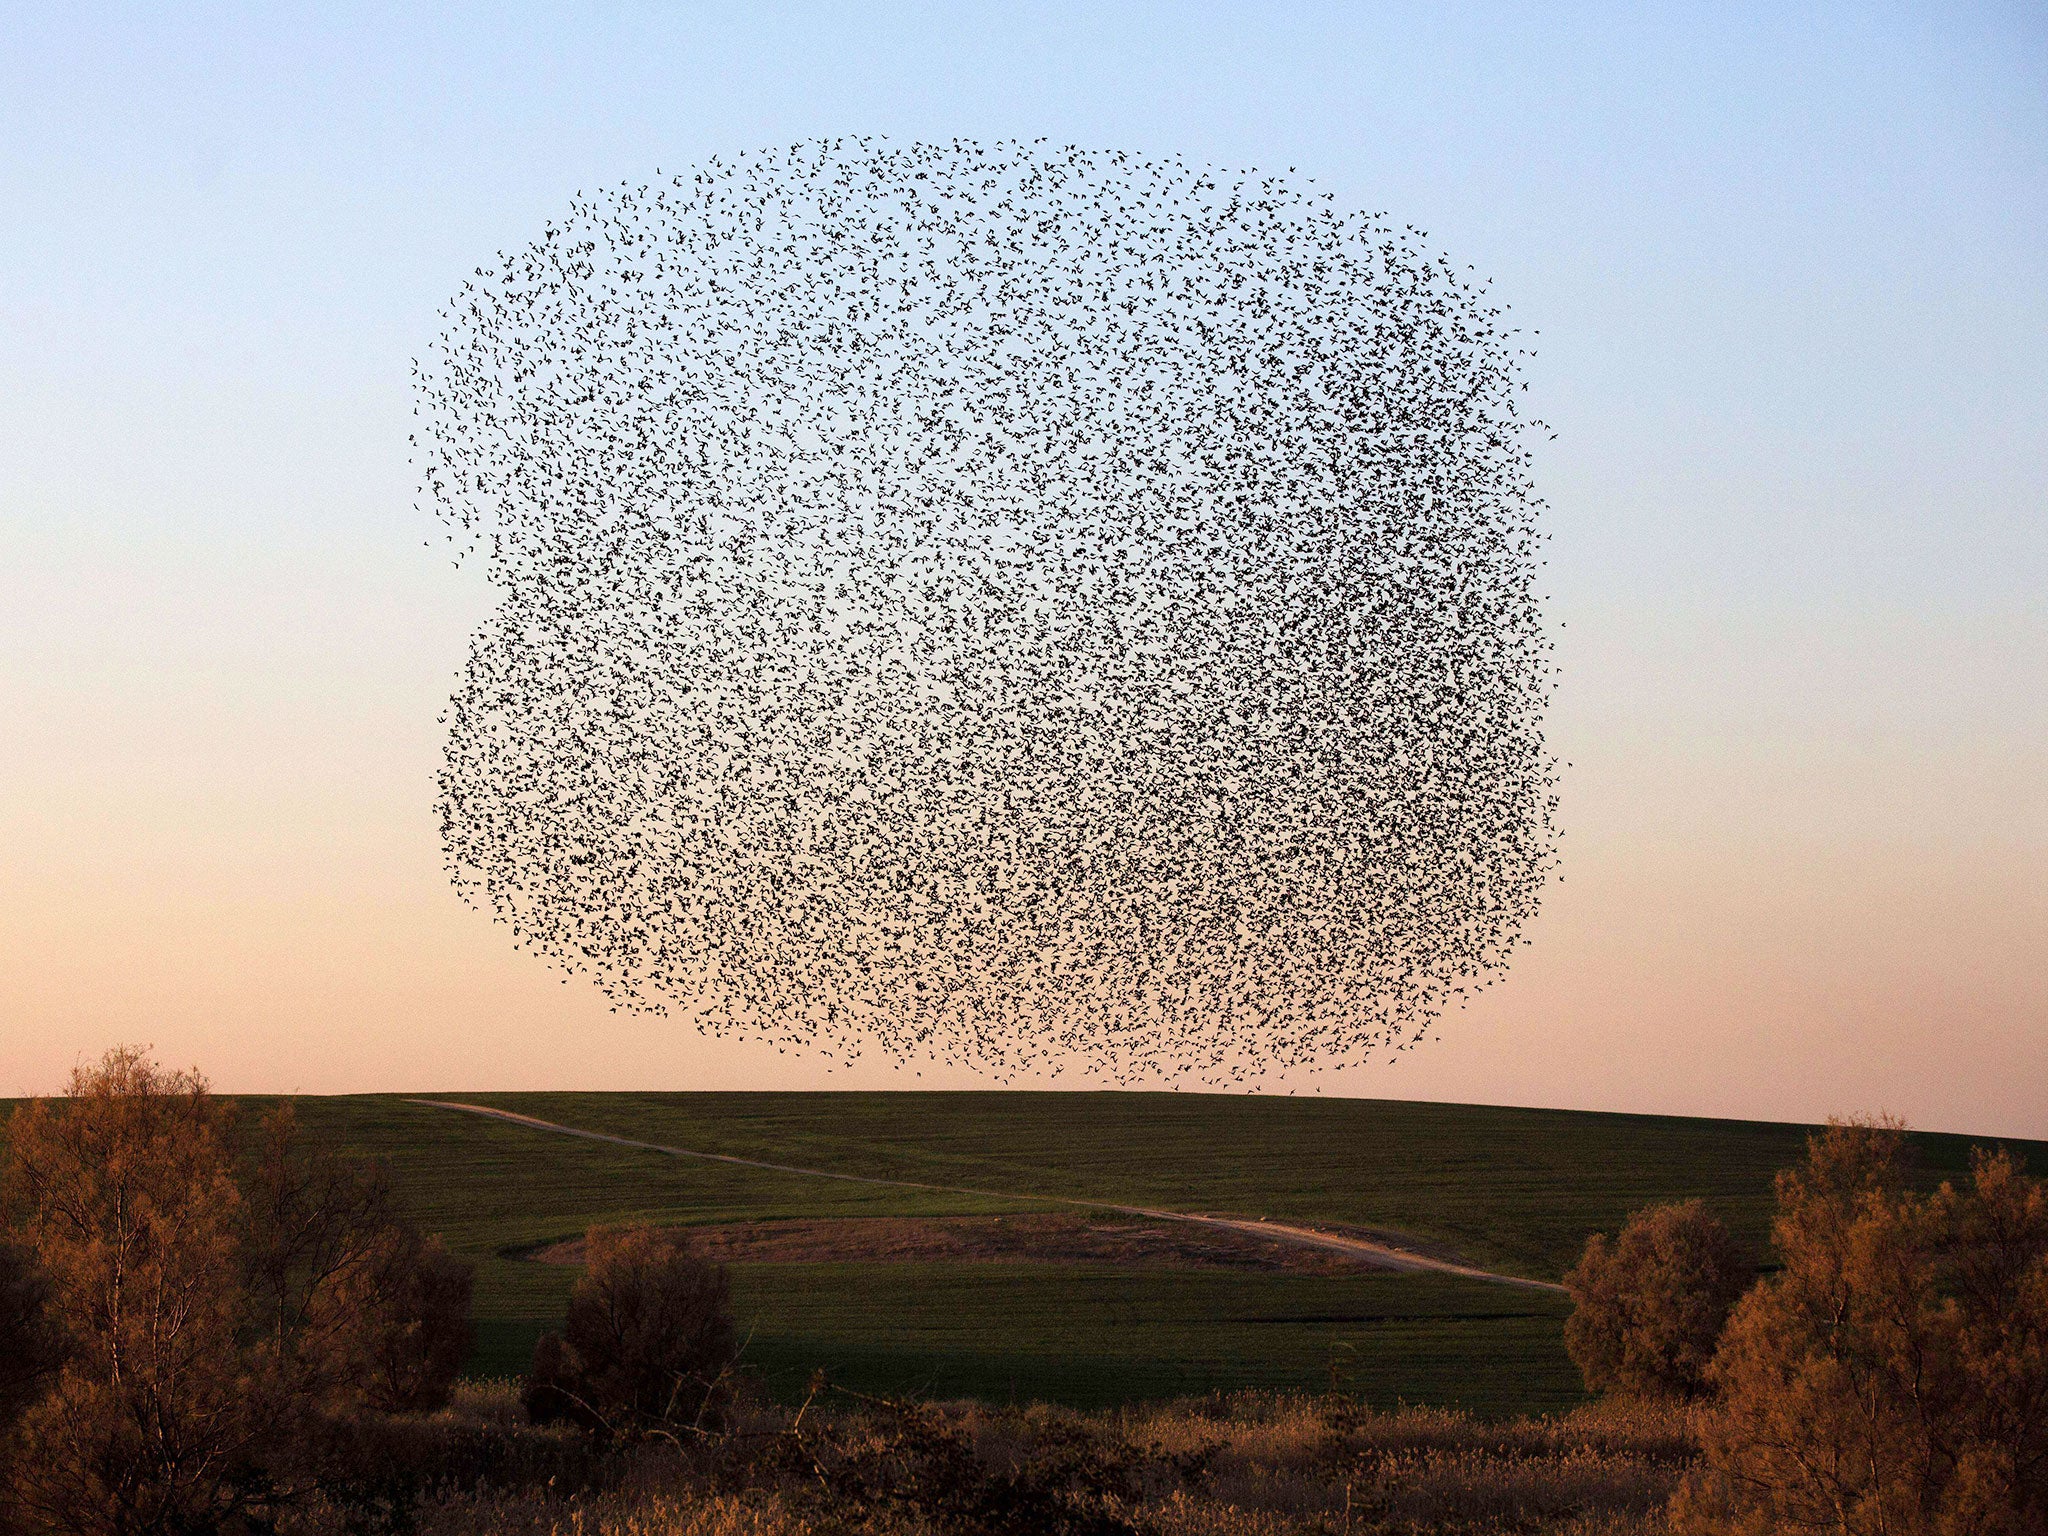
1371, 1251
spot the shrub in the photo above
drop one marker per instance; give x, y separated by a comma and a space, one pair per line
405, 1323
648, 1341
1649, 1307
851, 1464
1894, 1377
549, 1394
129, 1205
207, 1324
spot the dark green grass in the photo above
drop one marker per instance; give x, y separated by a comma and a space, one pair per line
1512, 1189
490, 1189
1517, 1190
1094, 1337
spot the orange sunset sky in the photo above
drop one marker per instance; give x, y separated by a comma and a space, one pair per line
1793, 287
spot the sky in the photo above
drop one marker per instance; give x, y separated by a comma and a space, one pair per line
1790, 267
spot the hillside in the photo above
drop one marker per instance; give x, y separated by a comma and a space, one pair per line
1513, 1189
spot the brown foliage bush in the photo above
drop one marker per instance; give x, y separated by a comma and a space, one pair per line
374, 1472
207, 1323
1894, 1377
648, 1342
126, 1199
1649, 1307
405, 1324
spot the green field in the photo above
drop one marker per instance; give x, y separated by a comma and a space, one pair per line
1513, 1189
1516, 1190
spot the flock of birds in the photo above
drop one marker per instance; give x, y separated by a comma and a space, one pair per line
1053, 610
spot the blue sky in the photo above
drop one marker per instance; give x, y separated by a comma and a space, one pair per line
1790, 267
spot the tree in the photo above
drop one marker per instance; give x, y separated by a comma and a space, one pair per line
354, 1305
128, 1204
647, 1342
31, 1349
311, 1221
1649, 1307
1893, 1377
206, 1322
404, 1323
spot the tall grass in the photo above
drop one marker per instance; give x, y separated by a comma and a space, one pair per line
1252, 1465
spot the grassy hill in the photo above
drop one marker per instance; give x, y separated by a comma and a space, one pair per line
1517, 1190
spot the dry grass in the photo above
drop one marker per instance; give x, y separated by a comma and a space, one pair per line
1245, 1466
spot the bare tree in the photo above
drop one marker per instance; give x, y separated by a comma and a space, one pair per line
312, 1220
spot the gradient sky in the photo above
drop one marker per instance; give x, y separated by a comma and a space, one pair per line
1792, 278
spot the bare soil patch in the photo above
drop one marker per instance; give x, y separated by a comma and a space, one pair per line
1033, 1238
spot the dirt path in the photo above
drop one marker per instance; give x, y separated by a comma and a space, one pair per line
1372, 1251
